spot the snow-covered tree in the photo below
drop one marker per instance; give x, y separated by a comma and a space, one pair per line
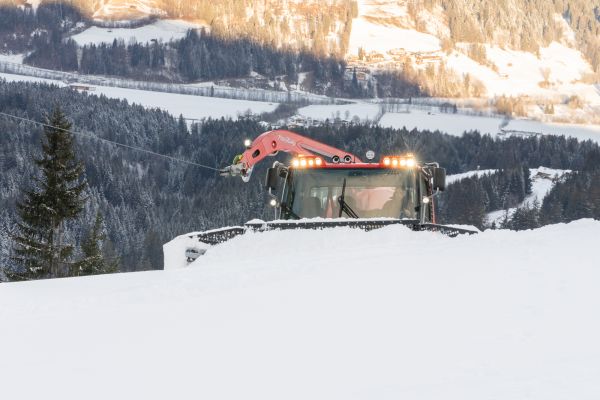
40, 247
94, 259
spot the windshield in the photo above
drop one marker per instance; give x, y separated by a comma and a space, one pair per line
370, 193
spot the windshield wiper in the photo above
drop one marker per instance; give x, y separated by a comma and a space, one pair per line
288, 210
344, 207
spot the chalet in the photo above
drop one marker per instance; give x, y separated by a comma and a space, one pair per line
428, 58
375, 57
397, 52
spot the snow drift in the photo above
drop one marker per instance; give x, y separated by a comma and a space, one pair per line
332, 314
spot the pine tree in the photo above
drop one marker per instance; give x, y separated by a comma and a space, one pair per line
94, 261
527, 180
40, 250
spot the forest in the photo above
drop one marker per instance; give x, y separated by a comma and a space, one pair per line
521, 24
202, 55
147, 200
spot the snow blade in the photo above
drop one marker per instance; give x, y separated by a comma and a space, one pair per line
218, 236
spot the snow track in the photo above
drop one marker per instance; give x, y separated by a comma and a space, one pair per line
332, 314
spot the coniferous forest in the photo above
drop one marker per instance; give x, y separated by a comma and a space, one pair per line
146, 200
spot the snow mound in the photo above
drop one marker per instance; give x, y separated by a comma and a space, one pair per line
331, 314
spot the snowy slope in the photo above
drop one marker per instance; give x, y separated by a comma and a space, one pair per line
384, 25
127, 9
389, 34
164, 30
542, 181
450, 179
333, 314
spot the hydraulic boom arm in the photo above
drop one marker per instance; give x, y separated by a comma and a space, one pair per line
271, 142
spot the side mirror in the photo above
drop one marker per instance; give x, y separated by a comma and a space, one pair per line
272, 179
439, 179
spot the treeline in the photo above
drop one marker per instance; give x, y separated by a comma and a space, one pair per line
202, 55
146, 200
19, 25
309, 23
469, 200
575, 196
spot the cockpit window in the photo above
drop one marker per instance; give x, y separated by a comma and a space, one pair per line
370, 193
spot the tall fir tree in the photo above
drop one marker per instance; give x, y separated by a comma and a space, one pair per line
94, 260
527, 180
40, 250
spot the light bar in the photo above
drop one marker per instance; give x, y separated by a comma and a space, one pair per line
405, 161
307, 162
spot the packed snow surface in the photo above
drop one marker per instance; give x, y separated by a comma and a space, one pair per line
332, 314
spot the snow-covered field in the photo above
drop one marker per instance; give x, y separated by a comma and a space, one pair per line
24, 78
194, 107
453, 124
198, 107
164, 30
364, 111
12, 58
332, 314
457, 124
579, 131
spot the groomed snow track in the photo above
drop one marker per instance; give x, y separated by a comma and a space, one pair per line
328, 314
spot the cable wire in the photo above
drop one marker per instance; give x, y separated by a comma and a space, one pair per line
90, 136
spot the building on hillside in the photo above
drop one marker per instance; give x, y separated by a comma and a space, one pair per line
427, 58
82, 87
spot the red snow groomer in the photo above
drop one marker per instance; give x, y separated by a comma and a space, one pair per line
327, 187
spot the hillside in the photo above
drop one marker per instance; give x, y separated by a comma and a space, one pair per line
335, 314
321, 26
533, 53
536, 59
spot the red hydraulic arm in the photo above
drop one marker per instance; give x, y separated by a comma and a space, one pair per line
271, 142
